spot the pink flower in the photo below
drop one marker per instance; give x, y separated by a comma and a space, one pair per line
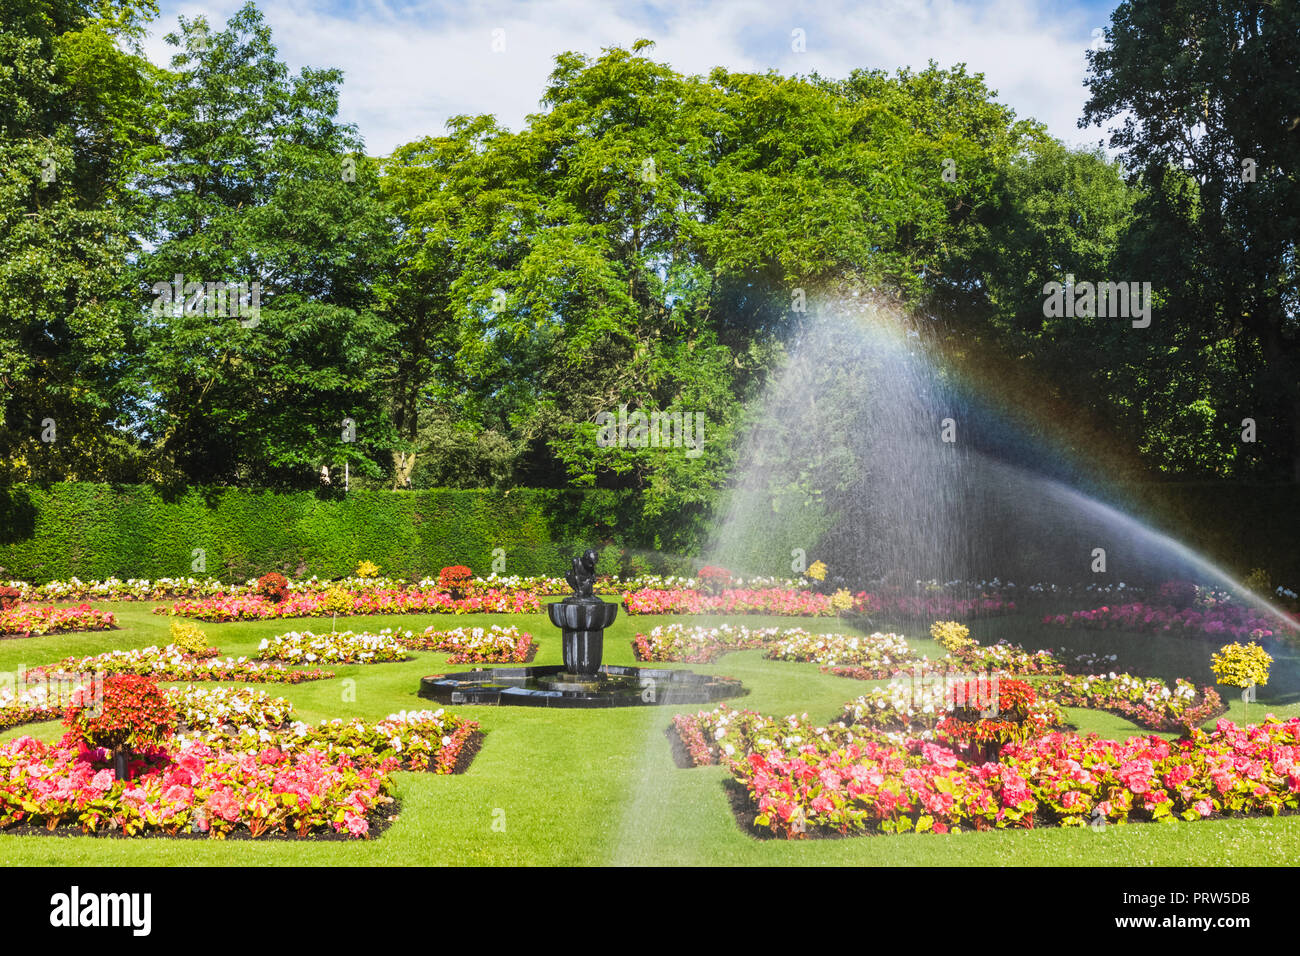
103, 781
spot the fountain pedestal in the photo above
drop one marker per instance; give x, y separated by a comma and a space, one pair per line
582, 623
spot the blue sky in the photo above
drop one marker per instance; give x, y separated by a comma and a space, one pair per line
410, 64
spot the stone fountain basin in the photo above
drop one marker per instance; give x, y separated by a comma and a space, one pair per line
553, 686
593, 615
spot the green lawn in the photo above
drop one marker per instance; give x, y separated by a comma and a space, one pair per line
600, 787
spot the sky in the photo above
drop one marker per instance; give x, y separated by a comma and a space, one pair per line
409, 65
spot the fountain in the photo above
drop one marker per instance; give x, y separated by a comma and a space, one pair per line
582, 681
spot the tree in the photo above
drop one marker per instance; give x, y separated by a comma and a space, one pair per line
264, 191
76, 112
1210, 99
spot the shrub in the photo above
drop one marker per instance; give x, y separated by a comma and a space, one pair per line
952, 636
367, 569
188, 636
713, 579
842, 600
336, 600
1258, 580
273, 586
9, 596
1241, 665
134, 712
817, 571
454, 577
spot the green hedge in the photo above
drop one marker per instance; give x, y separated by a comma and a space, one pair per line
95, 531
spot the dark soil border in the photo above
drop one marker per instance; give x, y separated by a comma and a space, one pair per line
379, 823
681, 755
467, 753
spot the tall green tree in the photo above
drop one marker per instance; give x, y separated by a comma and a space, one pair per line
1207, 95
649, 240
76, 111
261, 184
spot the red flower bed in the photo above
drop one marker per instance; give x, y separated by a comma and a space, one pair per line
1057, 779
380, 601
190, 788
1225, 620
781, 601
933, 607
25, 620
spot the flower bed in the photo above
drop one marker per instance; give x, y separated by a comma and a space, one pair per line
477, 645
192, 787
878, 654
218, 708
916, 708
32, 706
932, 607
25, 620
779, 601
1057, 779
1221, 620
722, 735
1007, 659
422, 740
171, 663
1149, 702
379, 601
698, 645
342, 647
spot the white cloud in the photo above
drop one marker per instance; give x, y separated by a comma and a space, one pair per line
408, 68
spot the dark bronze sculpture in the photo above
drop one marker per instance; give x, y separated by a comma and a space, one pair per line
582, 578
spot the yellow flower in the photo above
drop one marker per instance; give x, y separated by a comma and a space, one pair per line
818, 571
842, 600
367, 569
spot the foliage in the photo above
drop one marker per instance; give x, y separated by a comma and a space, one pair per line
1241, 665
273, 586
1258, 581
133, 712
952, 636
336, 600
188, 636
367, 569
98, 531
455, 576
1194, 81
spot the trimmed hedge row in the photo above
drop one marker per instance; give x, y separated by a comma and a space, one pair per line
96, 531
